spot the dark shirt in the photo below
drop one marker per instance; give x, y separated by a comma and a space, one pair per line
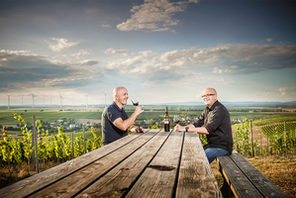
217, 122
110, 132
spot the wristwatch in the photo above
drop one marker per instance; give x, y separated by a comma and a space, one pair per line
186, 129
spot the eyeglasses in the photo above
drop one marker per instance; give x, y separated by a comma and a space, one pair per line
207, 95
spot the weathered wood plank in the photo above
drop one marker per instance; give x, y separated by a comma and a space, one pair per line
265, 186
237, 181
158, 178
38, 181
118, 181
76, 182
196, 178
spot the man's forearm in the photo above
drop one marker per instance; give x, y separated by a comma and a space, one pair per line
201, 130
129, 123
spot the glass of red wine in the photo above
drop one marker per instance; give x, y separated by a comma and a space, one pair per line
176, 119
135, 102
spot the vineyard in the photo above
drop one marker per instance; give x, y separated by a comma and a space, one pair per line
58, 147
281, 137
273, 136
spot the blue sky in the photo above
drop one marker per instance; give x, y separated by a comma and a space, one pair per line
77, 51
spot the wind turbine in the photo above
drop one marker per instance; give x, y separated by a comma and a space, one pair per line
61, 102
33, 100
86, 101
8, 102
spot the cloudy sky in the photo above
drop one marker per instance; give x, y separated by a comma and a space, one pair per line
77, 51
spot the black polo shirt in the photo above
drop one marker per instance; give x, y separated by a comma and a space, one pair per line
110, 132
217, 122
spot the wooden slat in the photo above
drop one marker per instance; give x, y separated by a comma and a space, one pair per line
118, 181
77, 181
237, 181
196, 177
265, 186
38, 181
159, 177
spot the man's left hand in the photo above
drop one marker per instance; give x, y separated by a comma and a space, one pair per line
138, 130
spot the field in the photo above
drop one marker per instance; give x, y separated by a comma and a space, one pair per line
150, 112
278, 166
6, 118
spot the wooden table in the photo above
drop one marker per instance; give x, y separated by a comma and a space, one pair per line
154, 164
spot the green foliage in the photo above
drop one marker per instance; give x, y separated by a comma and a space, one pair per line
241, 139
50, 148
263, 122
203, 139
281, 137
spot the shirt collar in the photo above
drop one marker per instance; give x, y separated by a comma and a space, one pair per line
213, 106
116, 106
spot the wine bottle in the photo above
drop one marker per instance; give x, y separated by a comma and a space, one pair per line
166, 120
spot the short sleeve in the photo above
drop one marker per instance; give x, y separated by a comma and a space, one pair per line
113, 114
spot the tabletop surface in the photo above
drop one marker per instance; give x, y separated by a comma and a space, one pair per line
154, 164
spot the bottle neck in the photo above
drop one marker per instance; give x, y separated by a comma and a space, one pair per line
166, 112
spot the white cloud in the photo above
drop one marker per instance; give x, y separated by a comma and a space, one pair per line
74, 59
154, 15
227, 69
225, 59
23, 70
110, 51
17, 52
59, 44
81, 52
283, 91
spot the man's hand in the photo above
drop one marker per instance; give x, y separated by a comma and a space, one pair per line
140, 130
138, 110
178, 128
137, 129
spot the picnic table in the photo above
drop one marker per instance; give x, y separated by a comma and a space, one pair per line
154, 164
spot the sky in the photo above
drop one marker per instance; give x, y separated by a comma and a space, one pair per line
76, 51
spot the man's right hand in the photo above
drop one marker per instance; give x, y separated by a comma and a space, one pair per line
178, 128
138, 110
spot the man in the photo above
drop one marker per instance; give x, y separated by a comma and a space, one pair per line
215, 122
115, 121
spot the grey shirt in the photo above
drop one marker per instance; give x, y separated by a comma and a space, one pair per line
217, 122
110, 132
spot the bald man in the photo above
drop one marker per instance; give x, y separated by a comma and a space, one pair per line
215, 122
115, 122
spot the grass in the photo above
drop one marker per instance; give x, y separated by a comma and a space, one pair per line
7, 117
280, 170
11, 174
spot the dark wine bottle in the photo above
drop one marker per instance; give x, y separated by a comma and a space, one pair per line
166, 120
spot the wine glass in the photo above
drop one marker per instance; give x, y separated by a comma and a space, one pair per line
176, 119
135, 102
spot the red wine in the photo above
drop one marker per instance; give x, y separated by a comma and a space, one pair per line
166, 121
176, 121
135, 103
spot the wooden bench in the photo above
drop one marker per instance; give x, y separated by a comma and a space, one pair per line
241, 179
